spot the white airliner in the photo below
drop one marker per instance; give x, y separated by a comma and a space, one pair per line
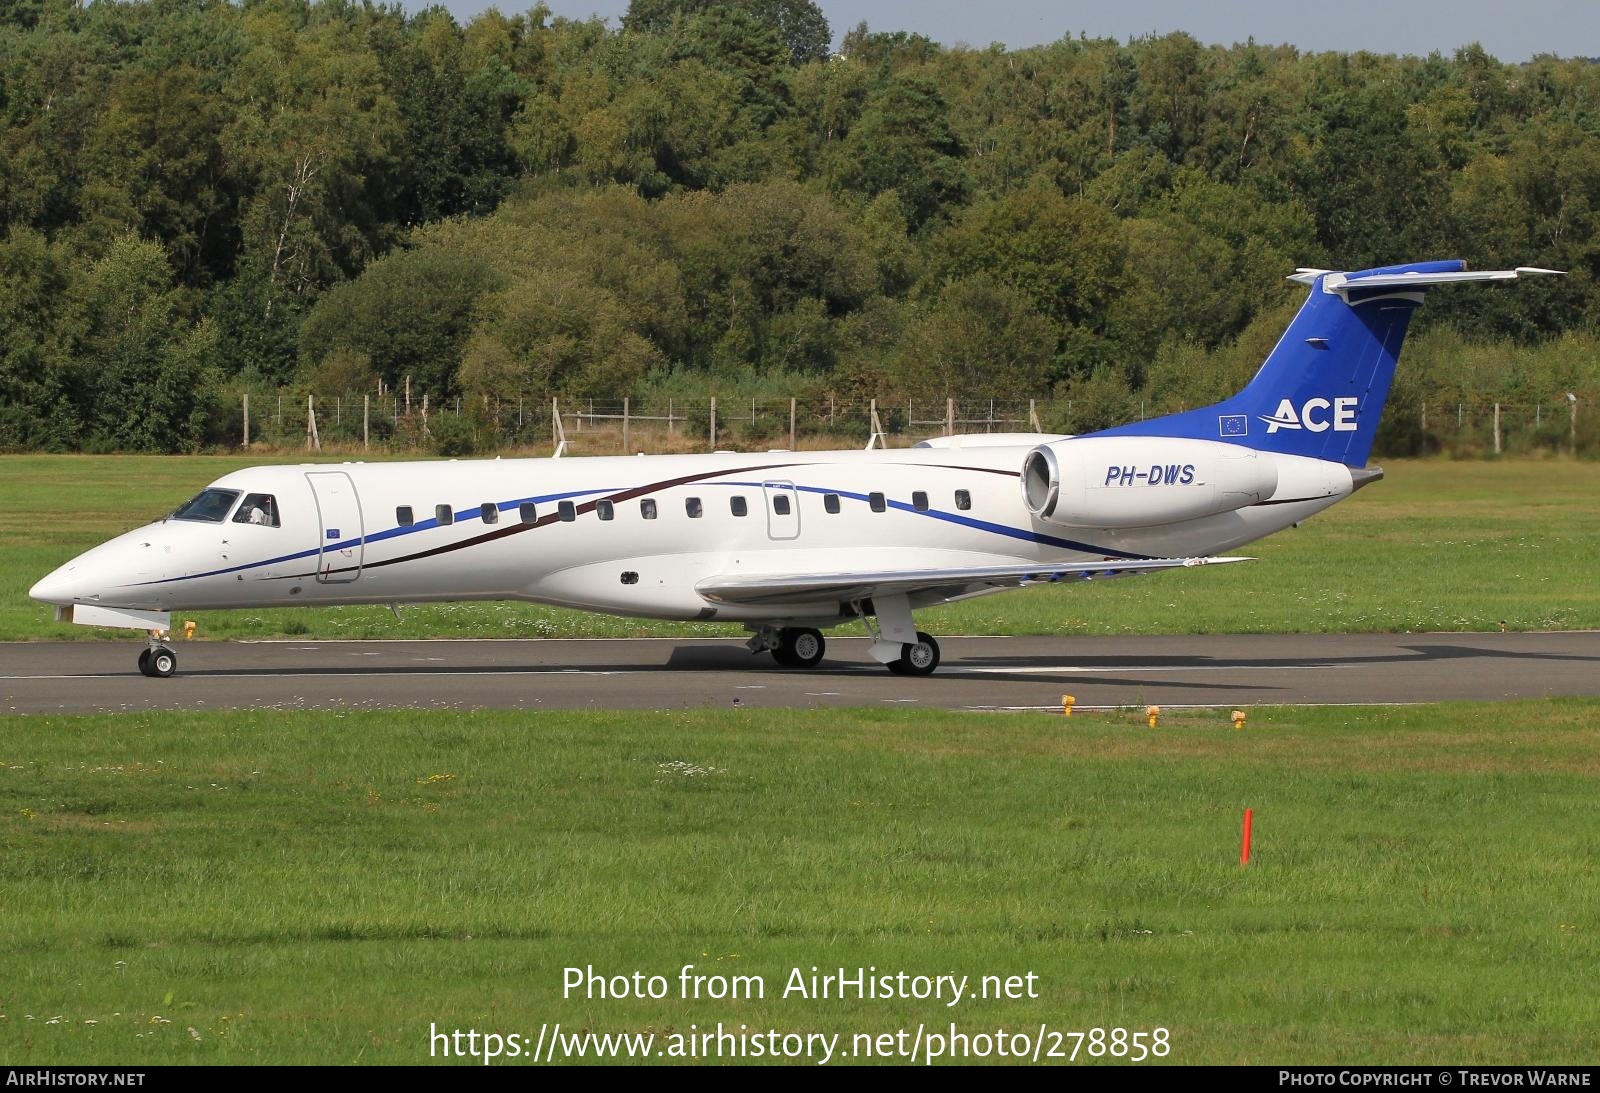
789, 543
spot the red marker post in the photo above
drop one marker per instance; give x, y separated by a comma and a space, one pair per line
1244, 848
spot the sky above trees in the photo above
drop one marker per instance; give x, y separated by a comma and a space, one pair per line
1511, 32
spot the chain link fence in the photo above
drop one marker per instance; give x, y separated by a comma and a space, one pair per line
391, 422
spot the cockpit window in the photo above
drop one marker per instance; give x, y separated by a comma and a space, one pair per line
210, 506
258, 508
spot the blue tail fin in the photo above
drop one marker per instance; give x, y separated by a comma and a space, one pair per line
1321, 391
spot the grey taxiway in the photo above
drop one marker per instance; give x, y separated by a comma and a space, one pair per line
983, 673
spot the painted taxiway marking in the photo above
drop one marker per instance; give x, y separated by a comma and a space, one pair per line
320, 674
1140, 706
850, 669
1037, 670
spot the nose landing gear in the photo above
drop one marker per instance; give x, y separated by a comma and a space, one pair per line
158, 661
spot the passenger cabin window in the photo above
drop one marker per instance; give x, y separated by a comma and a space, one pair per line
963, 500
605, 510
443, 515
830, 502
919, 501
207, 505
647, 508
489, 512
568, 511
780, 504
529, 512
737, 506
404, 516
878, 502
258, 508
692, 506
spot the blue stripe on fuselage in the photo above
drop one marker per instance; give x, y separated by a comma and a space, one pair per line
952, 518
468, 514
463, 516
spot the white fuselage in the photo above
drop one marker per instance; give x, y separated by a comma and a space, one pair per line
532, 529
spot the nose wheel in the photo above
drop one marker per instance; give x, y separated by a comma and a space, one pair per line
158, 661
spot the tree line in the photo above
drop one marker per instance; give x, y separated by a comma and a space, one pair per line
200, 197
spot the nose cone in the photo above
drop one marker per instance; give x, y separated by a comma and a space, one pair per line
61, 587
106, 575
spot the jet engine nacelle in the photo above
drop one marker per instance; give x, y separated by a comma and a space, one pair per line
1136, 482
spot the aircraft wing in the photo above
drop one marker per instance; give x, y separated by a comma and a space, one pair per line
792, 588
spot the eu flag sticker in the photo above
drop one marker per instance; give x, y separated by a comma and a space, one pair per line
1233, 425
333, 533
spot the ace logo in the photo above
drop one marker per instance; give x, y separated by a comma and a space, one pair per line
1317, 415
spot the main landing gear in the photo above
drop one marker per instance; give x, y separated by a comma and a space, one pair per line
917, 658
158, 661
790, 646
897, 644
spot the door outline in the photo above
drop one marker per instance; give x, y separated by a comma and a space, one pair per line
781, 527
332, 566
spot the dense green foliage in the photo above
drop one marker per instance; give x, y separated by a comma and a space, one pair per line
197, 195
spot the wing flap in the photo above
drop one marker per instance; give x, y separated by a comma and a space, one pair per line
791, 588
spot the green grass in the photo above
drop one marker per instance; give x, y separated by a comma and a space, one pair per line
1437, 546
319, 887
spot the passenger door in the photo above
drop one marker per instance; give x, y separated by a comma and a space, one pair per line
342, 547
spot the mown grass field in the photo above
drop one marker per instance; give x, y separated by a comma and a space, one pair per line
319, 887
1437, 546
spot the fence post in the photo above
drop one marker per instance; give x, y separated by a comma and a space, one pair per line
949, 417
1424, 415
247, 421
312, 439
338, 411
627, 447
1572, 428
877, 428
408, 395
1033, 418
713, 423
366, 413
791, 425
